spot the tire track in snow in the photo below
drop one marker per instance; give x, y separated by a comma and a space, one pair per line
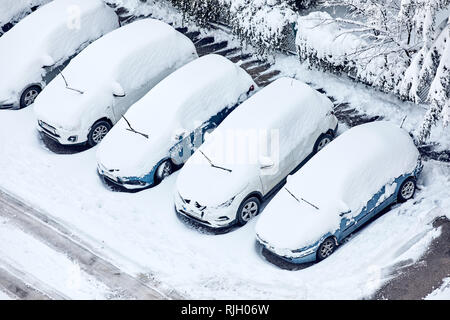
49, 232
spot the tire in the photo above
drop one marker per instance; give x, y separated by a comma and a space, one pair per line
407, 190
29, 95
323, 140
98, 132
326, 248
248, 209
164, 170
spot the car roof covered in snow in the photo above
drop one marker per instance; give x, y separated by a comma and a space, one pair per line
343, 176
356, 165
115, 53
183, 100
50, 35
272, 106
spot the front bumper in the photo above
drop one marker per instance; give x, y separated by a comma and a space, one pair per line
63, 137
306, 256
214, 218
111, 180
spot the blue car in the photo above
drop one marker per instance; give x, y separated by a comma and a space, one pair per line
355, 177
161, 131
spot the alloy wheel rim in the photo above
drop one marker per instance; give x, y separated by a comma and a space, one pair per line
30, 96
165, 170
408, 190
327, 248
99, 133
249, 210
323, 143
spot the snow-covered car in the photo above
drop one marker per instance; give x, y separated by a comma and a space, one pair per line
12, 11
99, 85
160, 131
360, 173
250, 154
43, 42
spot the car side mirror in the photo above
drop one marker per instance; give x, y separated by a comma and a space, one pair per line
117, 90
180, 135
265, 162
47, 61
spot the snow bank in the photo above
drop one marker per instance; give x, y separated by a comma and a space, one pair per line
290, 109
13, 10
139, 53
184, 100
341, 177
58, 30
442, 293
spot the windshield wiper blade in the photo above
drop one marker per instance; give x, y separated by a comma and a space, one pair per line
132, 130
212, 164
315, 207
67, 85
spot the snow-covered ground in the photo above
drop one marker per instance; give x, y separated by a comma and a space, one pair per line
4, 296
141, 233
39, 264
441, 293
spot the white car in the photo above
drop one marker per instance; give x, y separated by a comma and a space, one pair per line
99, 85
160, 131
12, 11
360, 173
34, 50
250, 154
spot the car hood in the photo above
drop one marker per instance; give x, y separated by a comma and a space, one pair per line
129, 153
67, 109
287, 224
210, 186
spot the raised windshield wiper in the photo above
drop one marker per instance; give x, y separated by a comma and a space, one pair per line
67, 85
212, 164
315, 207
132, 130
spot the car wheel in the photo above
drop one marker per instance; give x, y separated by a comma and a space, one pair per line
98, 132
29, 95
406, 190
327, 247
248, 209
164, 170
323, 140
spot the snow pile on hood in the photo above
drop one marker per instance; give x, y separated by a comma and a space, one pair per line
52, 33
14, 9
130, 56
185, 99
343, 176
263, 125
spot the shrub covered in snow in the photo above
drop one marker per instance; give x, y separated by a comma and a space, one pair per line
398, 46
259, 22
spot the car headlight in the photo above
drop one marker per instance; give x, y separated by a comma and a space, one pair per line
304, 252
226, 203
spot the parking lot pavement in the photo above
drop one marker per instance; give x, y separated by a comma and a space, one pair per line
418, 280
